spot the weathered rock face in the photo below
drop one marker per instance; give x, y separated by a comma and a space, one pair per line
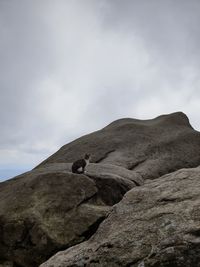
49, 209
155, 225
149, 147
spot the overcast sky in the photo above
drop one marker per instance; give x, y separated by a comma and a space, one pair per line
70, 67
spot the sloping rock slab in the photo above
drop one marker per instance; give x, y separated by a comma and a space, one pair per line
49, 209
101, 169
40, 214
151, 148
156, 225
94, 169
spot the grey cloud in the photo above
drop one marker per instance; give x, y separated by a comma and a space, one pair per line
70, 67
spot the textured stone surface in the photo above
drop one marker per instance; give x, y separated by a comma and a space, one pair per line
155, 225
41, 213
95, 169
50, 209
149, 147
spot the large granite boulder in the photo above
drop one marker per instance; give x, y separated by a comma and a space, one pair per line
50, 209
149, 147
155, 225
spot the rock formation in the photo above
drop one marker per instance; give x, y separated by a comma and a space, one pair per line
49, 209
148, 147
137, 205
157, 224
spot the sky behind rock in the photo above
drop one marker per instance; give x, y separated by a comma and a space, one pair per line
70, 67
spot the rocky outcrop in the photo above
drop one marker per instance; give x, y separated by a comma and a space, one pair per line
157, 224
50, 209
149, 147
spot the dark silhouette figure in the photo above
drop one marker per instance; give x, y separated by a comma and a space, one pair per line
79, 165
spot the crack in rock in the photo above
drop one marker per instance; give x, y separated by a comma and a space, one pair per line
134, 165
105, 156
